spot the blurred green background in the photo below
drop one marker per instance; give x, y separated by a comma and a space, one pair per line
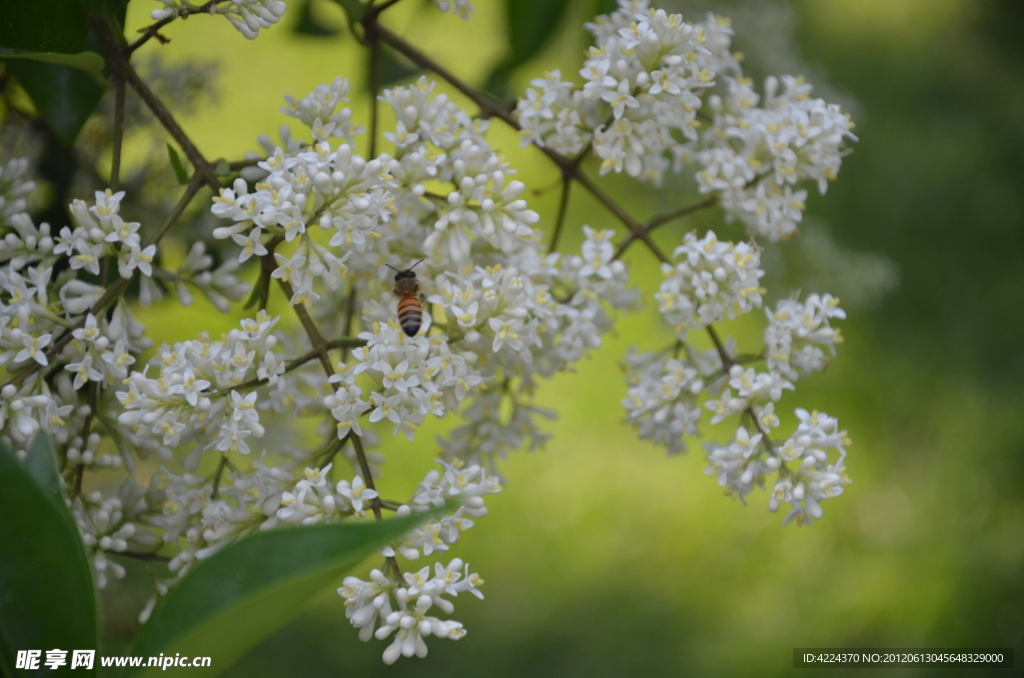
603, 557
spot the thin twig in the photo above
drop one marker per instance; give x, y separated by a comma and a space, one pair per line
654, 222
563, 207
727, 362
375, 503
153, 30
343, 343
236, 165
93, 403
218, 473
139, 556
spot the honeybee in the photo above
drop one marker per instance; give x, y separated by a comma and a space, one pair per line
410, 301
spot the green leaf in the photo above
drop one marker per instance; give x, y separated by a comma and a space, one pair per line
310, 24
176, 165
353, 11
90, 62
46, 591
222, 168
529, 25
64, 96
48, 48
41, 464
257, 289
393, 67
45, 26
605, 7
249, 589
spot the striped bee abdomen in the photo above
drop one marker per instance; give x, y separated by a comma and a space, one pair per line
410, 315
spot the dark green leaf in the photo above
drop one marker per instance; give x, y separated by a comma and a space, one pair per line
46, 592
530, 24
176, 165
353, 11
310, 24
45, 26
257, 289
41, 464
65, 97
393, 67
605, 6
253, 587
90, 62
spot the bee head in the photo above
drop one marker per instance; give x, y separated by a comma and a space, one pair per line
407, 273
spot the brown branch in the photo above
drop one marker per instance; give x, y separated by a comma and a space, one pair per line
654, 222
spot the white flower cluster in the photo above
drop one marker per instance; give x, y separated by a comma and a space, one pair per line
502, 313
319, 110
101, 232
713, 281
466, 485
662, 398
403, 606
44, 304
755, 157
313, 499
717, 281
193, 398
247, 16
110, 525
805, 475
368, 602
508, 309
798, 335
15, 186
639, 105
646, 82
